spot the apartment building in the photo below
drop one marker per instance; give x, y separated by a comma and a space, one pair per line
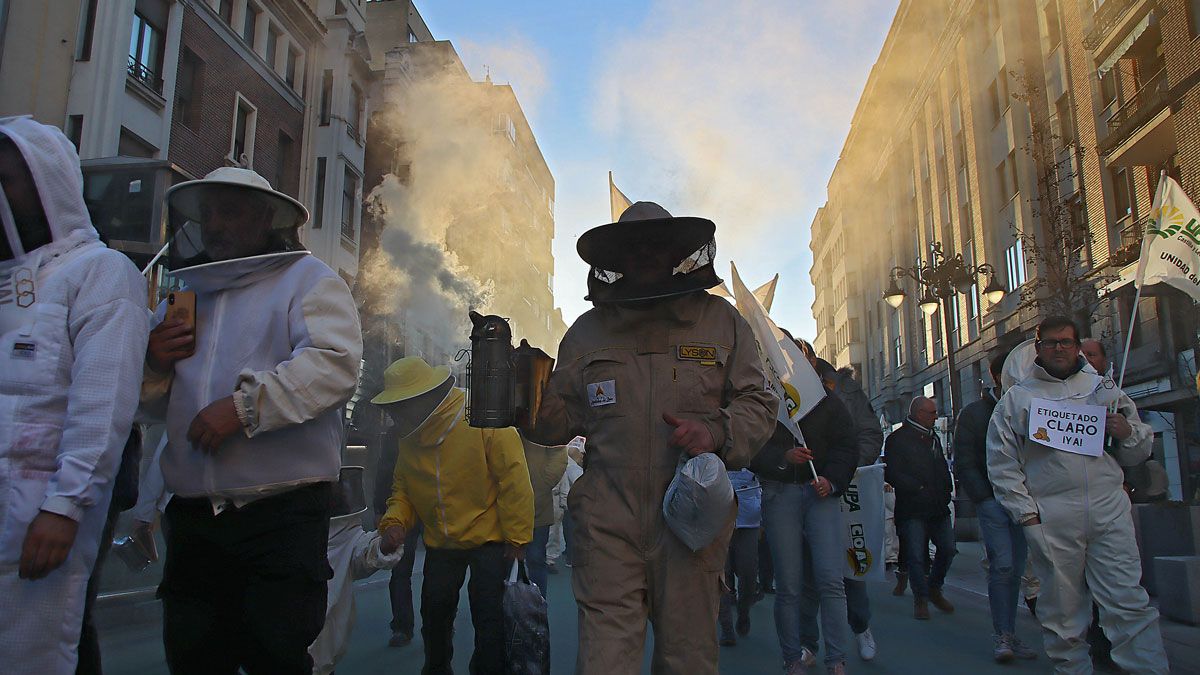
976, 116
154, 92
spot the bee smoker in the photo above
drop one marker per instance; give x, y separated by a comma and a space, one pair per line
506, 384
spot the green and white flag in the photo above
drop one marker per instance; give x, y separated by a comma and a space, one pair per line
1171, 247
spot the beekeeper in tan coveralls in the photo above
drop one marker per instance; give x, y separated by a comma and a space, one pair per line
657, 369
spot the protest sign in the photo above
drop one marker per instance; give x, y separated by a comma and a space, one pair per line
1067, 426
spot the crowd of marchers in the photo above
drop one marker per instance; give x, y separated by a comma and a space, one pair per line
249, 367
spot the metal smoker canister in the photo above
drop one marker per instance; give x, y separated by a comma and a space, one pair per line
492, 372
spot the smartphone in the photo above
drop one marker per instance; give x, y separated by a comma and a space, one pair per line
181, 306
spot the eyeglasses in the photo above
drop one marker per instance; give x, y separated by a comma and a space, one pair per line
1065, 343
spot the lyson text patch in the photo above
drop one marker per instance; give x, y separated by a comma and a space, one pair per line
697, 353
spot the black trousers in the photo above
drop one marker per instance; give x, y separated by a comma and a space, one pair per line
445, 570
400, 584
246, 588
741, 564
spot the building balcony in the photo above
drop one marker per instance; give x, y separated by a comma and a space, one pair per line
1111, 15
1129, 243
142, 74
1142, 131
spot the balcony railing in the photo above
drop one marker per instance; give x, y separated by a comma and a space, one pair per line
1152, 93
143, 74
1106, 18
1129, 246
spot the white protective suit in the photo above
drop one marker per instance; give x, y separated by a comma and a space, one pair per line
71, 367
1084, 548
353, 554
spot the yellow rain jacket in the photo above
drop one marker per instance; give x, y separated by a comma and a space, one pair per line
468, 486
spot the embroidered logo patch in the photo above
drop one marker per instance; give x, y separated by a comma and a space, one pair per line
602, 393
24, 350
697, 353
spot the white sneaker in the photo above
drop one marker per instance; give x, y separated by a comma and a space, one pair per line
807, 658
866, 645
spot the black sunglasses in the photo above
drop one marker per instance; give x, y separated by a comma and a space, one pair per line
1065, 343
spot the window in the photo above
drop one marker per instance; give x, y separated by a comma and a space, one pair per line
250, 23
1014, 260
290, 69
1066, 123
87, 29
242, 146
284, 158
188, 88
1122, 194
225, 11
1050, 16
1108, 87
1002, 184
994, 102
504, 125
271, 46
326, 96
1014, 184
355, 112
146, 53
349, 203
130, 144
412, 37
319, 198
75, 130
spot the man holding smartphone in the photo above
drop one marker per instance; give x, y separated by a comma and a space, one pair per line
253, 401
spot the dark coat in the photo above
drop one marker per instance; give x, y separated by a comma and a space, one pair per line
869, 437
970, 448
918, 471
829, 432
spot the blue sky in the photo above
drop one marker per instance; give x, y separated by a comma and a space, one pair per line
734, 111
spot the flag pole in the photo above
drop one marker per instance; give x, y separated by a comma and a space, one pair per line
1137, 282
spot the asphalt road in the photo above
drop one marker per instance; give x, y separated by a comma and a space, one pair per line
958, 643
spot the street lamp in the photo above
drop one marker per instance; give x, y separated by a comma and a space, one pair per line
939, 280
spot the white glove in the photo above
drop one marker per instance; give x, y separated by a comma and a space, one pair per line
378, 559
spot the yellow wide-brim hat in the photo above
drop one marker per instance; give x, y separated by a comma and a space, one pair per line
410, 377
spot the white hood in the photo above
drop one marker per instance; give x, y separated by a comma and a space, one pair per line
54, 165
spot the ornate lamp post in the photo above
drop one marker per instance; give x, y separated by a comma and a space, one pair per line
938, 281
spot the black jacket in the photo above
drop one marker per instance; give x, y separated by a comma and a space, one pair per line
970, 448
829, 432
918, 471
869, 437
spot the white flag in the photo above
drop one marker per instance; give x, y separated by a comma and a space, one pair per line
789, 374
1171, 247
862, 524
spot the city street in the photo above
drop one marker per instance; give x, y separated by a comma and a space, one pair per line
957, 643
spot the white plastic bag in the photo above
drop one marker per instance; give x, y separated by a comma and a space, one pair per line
699, 500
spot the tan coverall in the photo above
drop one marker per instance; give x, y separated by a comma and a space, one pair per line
619, 370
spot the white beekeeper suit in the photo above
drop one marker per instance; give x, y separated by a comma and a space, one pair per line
1084, 548
72, 341
354, 555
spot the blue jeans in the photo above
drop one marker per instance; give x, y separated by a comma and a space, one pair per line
793, 516
535, 557
858, 607
918, 533
1004, 541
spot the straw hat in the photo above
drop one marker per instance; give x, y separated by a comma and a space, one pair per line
410, 377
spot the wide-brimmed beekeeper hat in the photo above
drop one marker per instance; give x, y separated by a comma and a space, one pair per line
688, 241
186, 197
411, 377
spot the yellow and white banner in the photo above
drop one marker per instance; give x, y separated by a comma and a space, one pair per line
1171, 247
789, 374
